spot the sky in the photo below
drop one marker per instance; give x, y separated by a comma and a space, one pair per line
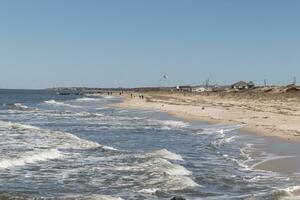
133, 43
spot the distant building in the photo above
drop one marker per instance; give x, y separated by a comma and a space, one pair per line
184, 88
251, 84
167, 89
199, 89
243, 85
219, 88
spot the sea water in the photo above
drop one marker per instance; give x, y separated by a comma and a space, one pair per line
76, 147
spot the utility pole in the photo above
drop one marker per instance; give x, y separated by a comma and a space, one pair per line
294, 80
265, 82
207, 82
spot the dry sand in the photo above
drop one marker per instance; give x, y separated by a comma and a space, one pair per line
264, 113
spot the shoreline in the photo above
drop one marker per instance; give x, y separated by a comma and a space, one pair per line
260, 122
286, 146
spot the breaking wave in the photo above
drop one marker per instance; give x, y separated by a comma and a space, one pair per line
223, 141
109, 97
57, 103
164, 153
16, 106
219, 129
102, 197
11, 125
63, 139
87, 99
176, 124
19, 105
29, 159
149, 190
169, 124
172, 169
289, 193
174, 176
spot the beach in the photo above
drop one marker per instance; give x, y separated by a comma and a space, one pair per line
275, 114
273, 118
88, 147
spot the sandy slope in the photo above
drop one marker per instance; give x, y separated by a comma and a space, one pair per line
261, 113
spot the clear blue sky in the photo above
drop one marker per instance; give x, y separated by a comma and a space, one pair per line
45, 43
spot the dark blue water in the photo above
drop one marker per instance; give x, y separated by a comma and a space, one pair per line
77, 147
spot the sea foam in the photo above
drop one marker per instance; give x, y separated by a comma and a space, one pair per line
68, 140
57, 103
29, 159
172, 169
87, 99
103, 197
11, 125
19, 105
164, 153
175, 124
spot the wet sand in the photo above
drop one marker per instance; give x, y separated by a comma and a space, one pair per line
283, 165
283, 156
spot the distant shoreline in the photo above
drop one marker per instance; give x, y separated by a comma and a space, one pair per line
268, 117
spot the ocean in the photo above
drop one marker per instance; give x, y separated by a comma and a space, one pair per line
79, 147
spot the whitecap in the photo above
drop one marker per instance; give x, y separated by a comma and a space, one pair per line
286, 194
173, 169
220, 129
98, 114
11, 125
19, 105
180, 183
87, 99
165, 128
102, 108
53, 102
164, 153
104, 197
29, 159
109, 148
57, 103
149, 190
223, 141
176, 124
292, 188
109, 97
63, 139
93, 197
